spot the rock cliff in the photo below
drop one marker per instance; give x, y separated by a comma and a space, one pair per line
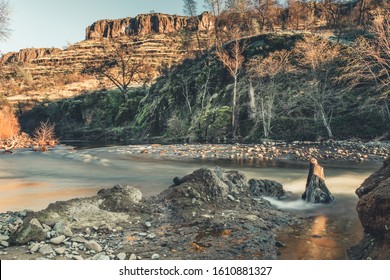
374, 208
147, 24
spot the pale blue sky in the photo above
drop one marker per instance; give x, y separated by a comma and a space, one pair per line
54, 23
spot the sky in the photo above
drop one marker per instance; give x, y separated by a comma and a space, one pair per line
57, 23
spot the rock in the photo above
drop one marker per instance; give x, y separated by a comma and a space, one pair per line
29, 231
78, 258
60, 251
267, 188
34, 247
78, 238
155, 256
58, 240
148, 224
4, 237
373, 209
147, 24
151, 236
101, 257
119, 198
207, 185
4, 243
316, 190
230, 197
61, 228
46, 249
121, 256
133, 257
93, 245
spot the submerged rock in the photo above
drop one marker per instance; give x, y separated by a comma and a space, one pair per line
373, 208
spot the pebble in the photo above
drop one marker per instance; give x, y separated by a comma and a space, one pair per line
148, 224
155, 256
4, 243
4, 237
93, 245
34, 247
46, 249
101, 257
151, 236
60, 251
230, 197
78, 258
121, 256
58, 240
133, 257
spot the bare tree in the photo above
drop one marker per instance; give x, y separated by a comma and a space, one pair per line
268, 72
317, 58
233, 58
369, 63
122, 65
4, 20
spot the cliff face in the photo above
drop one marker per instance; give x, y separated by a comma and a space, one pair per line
374, 213
148, 24
26, 55
157, 37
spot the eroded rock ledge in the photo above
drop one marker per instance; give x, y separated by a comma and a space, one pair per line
209, 214
374, 212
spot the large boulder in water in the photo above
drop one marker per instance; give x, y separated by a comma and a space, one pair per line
206, 185
374, 213
316, 190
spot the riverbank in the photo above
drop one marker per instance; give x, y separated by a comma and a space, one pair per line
352, 151
209, 214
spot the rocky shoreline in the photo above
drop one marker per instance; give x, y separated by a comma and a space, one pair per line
208, 214
348, 150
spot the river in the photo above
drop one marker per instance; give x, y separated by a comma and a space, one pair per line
31, 180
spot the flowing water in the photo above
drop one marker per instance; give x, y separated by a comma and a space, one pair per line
30, 180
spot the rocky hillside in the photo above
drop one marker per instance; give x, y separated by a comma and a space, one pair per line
158, 37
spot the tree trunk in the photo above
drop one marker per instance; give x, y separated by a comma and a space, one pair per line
326, 123
234, 106
252, 101
316, 190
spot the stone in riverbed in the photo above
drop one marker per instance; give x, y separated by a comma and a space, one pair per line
121, 256
101, 257
119, 198
62, 229
4, 237
34, 247
133, 257
266, 188
46, 249
4, 243
58, 240
155, 256
60, 251
93, 245
29, 231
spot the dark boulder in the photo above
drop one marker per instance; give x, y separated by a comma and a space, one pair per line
316, 190
374, 213
268, 188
